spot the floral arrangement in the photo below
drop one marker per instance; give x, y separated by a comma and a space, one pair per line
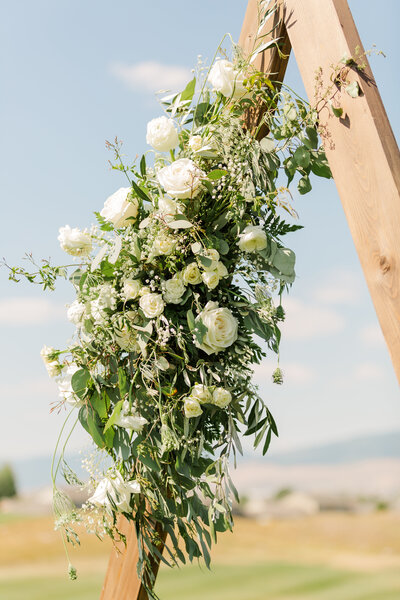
185, 267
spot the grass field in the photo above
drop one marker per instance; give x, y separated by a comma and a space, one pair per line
326, 557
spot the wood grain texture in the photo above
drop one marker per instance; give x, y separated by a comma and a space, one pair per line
121, 581
361, 150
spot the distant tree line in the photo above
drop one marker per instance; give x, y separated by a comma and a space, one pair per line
8, 487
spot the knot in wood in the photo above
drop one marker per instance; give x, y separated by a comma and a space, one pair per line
384, 264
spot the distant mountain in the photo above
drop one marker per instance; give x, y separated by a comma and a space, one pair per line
366, 447
35, 472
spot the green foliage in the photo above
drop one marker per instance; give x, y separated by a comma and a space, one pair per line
8, 487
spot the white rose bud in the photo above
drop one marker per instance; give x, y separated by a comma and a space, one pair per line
211, 279
131, 289
174, 290
74, 241
195, 143
252, 238
75, 312
52, 365
128, 419
192, 407
222, 270
191, 274
164, 244
181, 179
167, 208
221, 397
201, 393
226, 79
152, 305
222, 328
161, 134
119, 209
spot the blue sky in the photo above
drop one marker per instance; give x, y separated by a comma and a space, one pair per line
77, 73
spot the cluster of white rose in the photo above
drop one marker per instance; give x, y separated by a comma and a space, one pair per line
201, 394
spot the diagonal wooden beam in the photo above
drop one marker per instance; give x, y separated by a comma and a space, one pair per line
361, 148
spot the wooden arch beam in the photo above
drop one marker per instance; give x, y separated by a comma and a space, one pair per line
365, 162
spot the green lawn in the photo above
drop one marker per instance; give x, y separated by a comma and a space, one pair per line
257, 582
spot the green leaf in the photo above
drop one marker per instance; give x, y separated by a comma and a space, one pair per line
140, 193
312, 136
302, 157
216, 174
304, 185
180, 224
190, 320
121, 443
256, 325
189, 90
353, 89
143, 165
122, 382
200, 330
90, 421
320, 167
205, 261
114, 416
267, 442
337, 111
200, 113
79, 382
100, 403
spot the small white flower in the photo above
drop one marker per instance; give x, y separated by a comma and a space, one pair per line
181, 179
163, 244
52, 365
130, 420
161, 134
211, 279
174, 290
131, 289
74, 241
66, 392
252, 238
75, 312
120, 208
152, 305
221, 397
118, 490
225, 78
201, 393
192, 407
195, 143
191, 274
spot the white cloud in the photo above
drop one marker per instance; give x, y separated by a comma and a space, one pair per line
305, 320
368, 371
372, 335
341, 287
293, 372
29, 311
151, 76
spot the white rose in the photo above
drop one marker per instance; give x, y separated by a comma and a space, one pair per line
213, 255
129, 419
221, 397
191, 274
226, 79
131, 289
222, 270
75, 312
252, 238
181, 179
118, 490
195, 143
174, 290
152, 305
119, 209
163, 244
191, 407
66, 392
167, 208
211, 279
201, 393
222, 328
161, 134
52, 365
74, 241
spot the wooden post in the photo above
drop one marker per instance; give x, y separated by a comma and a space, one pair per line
365, 163
121, 581
360, 147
